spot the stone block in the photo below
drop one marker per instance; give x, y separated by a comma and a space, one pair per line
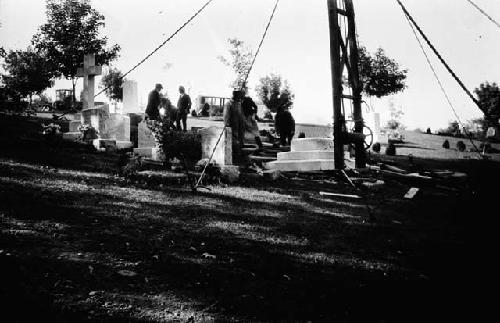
301, 165
224, 152
303, 155
74, 125
117, 126
157, 154
135, 119
96, 118
145, 138
144, 152
130, 97
124, 145
308, 144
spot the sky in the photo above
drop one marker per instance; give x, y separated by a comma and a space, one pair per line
297, 47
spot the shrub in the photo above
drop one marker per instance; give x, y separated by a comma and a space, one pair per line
446, 144
88, 132
376, 147
390, 150
461, 146
183, 145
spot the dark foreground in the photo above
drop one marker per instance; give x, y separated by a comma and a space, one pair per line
79, 243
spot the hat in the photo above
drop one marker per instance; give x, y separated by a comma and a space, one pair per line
159, 85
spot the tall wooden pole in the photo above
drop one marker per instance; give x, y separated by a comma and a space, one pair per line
356, 84
336, 66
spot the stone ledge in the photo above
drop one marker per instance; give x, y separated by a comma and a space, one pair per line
301, 165
306, 155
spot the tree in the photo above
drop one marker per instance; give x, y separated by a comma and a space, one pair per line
112, 83
488, 95
240, 60
28, 73
274, 92
379, 74
395, 122
72, 30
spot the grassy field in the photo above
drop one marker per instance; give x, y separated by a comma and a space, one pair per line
80, 243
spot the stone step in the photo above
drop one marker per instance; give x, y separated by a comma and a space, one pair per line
72, 136
144, 152
124, 145
304, 155
74, 125
301, 165
261, 159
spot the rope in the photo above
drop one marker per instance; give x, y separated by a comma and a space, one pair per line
407, 14
161, 45
261, 41
484, 13
441, 85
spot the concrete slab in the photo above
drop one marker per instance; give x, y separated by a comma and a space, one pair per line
308, 144
304, 155
301, 165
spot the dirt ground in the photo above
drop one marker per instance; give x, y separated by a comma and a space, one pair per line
79, 243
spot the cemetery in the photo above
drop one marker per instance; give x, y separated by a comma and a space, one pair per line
114, 215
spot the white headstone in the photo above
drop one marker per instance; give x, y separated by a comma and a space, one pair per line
223, 153
130, 97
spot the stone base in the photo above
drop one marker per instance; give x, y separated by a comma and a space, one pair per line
124, 145
104, 144
306, 155
144, 152
74, 125
301, 165
72, 136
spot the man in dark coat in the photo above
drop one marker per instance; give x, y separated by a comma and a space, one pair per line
183, 107
285, 126
154, 100
250, 113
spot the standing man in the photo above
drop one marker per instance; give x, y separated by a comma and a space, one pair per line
284, 123
250, 112
233, 118
183, 107
154, 100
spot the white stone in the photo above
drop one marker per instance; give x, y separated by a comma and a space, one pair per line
309, 144
223, 154
130, 97
301, 165
304, 155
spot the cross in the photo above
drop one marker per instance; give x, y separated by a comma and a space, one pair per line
89, 71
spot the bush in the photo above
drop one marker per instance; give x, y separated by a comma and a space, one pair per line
461, 146
376, 147
390, 150
182, 145
446, 144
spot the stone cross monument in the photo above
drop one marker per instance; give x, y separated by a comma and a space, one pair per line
88, 72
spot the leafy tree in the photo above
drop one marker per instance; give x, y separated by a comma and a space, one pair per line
379, 74
274, 92
488, 95
27, 73
112, 83
240, 58
72, 30
396, 114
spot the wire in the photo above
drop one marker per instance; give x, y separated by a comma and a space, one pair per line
161, 45
484, 13
261, 41
407, 14
441, 84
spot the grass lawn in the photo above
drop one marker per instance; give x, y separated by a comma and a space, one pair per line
79, 243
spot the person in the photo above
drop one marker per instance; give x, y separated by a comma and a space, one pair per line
170, 112
234, 119
152, 109
183, 107
250, 113
285, 125
205, 110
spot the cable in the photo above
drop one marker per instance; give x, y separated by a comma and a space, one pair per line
441, 85
161, 45
407, 14
261, 41
484, 13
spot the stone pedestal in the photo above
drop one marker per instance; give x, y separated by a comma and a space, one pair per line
224, 152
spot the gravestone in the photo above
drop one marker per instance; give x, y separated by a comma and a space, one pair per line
130, 97
145, 141
223, 154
